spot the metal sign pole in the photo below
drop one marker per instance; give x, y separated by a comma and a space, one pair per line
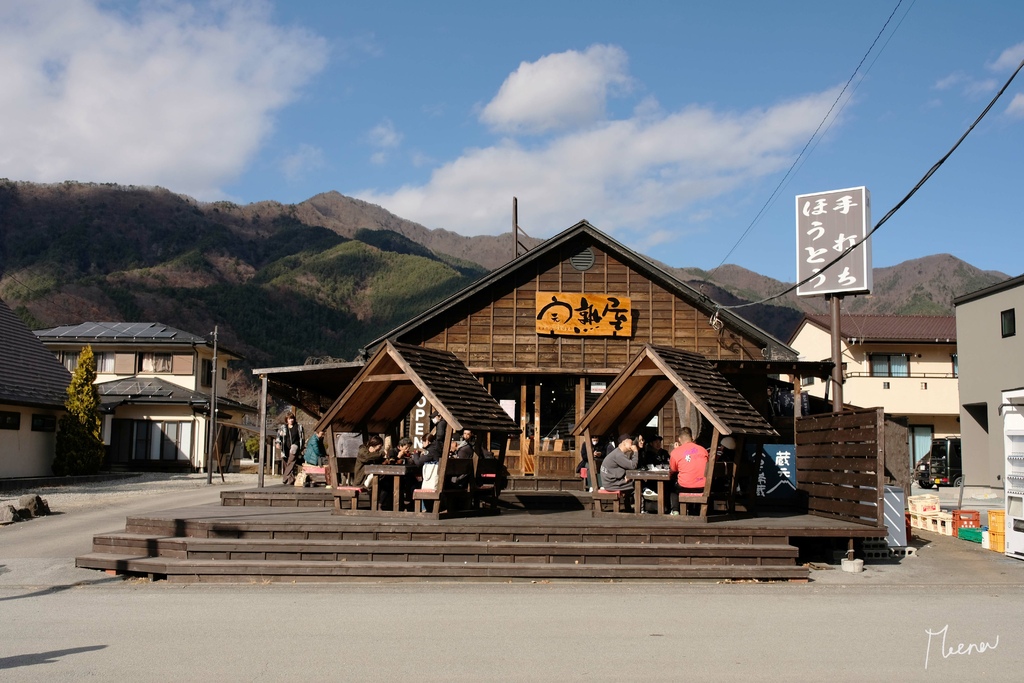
212, 424
837, 355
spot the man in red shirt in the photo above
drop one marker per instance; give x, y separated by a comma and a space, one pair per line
689, 463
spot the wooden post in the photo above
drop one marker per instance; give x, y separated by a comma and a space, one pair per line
263, 432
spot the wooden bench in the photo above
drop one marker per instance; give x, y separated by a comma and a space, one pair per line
444, 497
616, 498
701, 499
342, 494
487, 484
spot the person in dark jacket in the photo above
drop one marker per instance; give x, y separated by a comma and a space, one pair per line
291, 438
371, 453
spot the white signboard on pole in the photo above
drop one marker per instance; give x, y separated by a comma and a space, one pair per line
827, 224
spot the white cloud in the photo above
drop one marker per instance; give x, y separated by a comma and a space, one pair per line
559, 90
951, 80
166, 94
1009, 59
384, 135
621, 175
302, 161
1016, 107
385, 138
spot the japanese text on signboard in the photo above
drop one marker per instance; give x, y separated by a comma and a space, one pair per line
827, 224
580, 315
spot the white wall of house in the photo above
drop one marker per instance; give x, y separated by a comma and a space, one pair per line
184, 367
989, 364
191, 429
25, 452
928, 396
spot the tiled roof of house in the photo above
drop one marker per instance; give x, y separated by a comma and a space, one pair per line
397, 375
137, 390
30, 374
892, 328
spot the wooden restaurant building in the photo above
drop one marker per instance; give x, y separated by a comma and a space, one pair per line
578, 318
548, 332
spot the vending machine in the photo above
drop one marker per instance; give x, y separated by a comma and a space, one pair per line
1013, 440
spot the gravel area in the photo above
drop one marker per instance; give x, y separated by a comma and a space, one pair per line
104, 493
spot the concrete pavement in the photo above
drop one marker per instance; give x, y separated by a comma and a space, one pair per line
62, 623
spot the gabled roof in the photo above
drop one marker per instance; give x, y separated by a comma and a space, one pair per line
156, 391
125, 333
30, 375
891, 328
391, 382
776, 348
651, 379
310, 387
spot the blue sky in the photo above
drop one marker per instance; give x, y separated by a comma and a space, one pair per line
669, 125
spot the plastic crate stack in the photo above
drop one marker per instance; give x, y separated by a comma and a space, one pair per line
926, 515
997, 530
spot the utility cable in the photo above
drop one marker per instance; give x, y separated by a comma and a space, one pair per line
813, 139
935, 167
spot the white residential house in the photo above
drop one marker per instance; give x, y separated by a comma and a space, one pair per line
155, 385
905, 364
33, 388
992, 356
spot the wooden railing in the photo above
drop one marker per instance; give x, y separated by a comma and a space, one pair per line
840, 464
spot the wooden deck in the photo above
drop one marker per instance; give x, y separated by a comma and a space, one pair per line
288, 534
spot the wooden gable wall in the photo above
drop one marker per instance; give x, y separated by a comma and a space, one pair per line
495, 330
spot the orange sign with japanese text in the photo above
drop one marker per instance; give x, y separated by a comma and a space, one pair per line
584, 315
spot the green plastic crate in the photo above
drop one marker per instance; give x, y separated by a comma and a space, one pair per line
968, 534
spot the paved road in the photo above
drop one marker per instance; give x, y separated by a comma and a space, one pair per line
60, 623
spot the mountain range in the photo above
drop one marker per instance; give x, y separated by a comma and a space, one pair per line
284, 283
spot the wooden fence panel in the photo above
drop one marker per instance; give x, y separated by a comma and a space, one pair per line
840, 462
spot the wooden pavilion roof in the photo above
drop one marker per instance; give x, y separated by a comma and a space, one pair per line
391, 382
653, 377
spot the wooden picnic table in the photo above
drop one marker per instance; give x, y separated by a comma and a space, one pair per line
639, 477
396, 472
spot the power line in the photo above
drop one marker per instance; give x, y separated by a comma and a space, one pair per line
815, 137
931, 171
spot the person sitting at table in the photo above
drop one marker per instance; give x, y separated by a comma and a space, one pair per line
585, 452
651, 454
370, 453
688, 462
401, 454
615, 465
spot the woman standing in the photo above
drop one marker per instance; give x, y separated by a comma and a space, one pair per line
291, 438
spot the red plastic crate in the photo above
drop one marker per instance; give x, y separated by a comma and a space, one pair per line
966, 519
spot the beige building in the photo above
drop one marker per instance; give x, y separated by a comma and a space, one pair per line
905, 364
993, 362
155, 384
32, 393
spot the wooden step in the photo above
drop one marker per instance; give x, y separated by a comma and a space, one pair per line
386, 529
190, 570
140, 545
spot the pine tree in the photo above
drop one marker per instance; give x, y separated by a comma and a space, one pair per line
79, 440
